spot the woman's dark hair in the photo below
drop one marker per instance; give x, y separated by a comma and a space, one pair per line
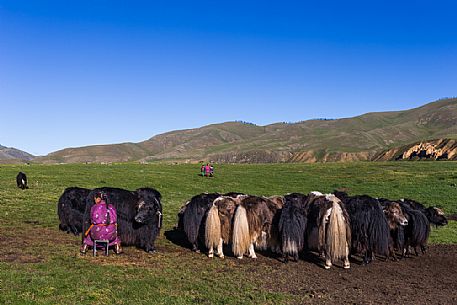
102, 195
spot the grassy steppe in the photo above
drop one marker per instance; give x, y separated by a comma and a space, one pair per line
40, 265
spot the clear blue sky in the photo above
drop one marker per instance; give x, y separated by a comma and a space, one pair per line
76, 73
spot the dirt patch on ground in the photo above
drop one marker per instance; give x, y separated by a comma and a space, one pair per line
30, 244
427, 279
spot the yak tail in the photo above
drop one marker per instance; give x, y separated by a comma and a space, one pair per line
420, 229
337, 241
292, 231
241, 237
191, 221
212, 228
378, 234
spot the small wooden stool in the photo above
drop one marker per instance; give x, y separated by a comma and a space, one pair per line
101, 242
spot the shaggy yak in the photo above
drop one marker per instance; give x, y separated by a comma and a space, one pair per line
434, 215
139, 215
292, 225
254, 223
219, 222
396, 221
417, 231
275, 242
192, 217
328, 229
70, 209
369, 227
21, 181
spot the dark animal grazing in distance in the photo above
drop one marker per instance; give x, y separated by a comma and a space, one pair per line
139, 215
21, 181
70, 209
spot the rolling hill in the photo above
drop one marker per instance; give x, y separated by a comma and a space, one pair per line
13, 155
363, 137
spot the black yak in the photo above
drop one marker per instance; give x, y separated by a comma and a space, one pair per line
434, 215
192, 218
21, 181
417, 232
369, 227
70, 209
292, 225
139, 215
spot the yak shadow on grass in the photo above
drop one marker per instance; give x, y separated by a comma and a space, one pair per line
177, 237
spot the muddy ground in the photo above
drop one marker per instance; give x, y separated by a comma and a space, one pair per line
428, 279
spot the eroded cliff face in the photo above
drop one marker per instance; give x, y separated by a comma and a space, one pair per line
440, 149
310, 156
326, 156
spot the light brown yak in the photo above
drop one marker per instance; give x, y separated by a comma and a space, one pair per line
328, 230
218, 228
254, 223
278, 201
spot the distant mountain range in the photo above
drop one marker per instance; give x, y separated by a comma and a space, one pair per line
13, 155
365, 137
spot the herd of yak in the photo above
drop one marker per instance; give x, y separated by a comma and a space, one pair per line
335, 226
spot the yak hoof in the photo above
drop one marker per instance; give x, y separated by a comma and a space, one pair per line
210, 255
347, 266
327, 266
240, 257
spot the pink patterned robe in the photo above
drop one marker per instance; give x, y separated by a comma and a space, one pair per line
104, 224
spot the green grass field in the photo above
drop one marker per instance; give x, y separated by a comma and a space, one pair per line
40, 265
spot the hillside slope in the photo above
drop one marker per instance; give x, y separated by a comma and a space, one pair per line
358, 138
13, 155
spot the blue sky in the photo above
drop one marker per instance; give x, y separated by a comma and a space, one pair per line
77, 73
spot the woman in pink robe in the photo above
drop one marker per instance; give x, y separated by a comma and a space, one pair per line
103, 225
